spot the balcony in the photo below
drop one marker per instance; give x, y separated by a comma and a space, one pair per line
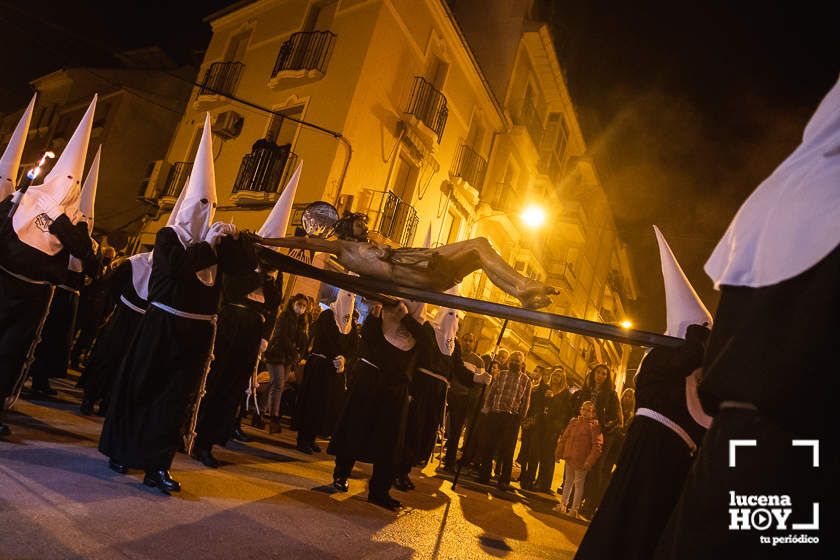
394, 220
261, 173
175, 181
220, 80
303, 57
427, 110
469, 166
525, 114
571, 222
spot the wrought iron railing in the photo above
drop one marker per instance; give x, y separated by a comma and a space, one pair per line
428, 105
221, 78
526, 115
390, 216
306, 50
177, 178
550, 164
265, 169
469, 166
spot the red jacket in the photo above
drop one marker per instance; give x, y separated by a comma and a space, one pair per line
580, 445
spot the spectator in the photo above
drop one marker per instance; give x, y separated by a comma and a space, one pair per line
579, 446
506, 405
288, 343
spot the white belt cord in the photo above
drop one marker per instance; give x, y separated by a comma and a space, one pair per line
131, 306
184, 314
437, 376
368, 362
23, 278
668, 423
68, 289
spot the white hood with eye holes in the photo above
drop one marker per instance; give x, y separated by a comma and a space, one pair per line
446, 325
58, 194
342, 309
192, 217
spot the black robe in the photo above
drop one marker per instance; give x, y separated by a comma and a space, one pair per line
371, 427
653, 462
321, 394
776, 347
243, 322
116, 336
428, 394
24, 303
53, 352
159, 381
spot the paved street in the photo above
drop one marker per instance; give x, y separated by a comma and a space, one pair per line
58, 499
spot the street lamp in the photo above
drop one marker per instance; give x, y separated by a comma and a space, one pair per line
533, 216
625, 324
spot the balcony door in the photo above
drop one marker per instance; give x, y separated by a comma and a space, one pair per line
236, 47
404, 179
320, 16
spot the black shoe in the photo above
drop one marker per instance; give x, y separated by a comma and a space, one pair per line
205, 455
103, 409
45, 391
5, 430
315, 447
86, 408
504, 487
117, 467
403, 483
386, 501
161, 479
341, 484
239, 435
304, 449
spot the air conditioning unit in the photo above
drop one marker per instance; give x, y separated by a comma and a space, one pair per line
228, 124
153, 181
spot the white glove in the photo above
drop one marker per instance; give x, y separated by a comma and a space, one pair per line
263, 345
339, 363
482, 377
215, 233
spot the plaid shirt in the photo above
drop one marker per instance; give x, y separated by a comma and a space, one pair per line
509, 393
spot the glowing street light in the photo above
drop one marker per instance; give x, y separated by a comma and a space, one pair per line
533, 216
625, 324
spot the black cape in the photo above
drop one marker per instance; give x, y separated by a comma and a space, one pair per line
243, 322
652, 465
115, 338
321, 394
372, 425
23, 304
158, 384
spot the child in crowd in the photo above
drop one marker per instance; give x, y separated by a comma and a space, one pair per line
579, 446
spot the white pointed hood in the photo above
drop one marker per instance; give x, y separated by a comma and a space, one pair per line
170, 221
87, 198
683, 305
342, 309
195, 213
792, 220
58, 194
427, 241
446, 325
277, 221
10, 160
87, 201
141, 271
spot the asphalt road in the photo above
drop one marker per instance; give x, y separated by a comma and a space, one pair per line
59, 500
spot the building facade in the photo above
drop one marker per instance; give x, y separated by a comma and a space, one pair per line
390, 111
136, 115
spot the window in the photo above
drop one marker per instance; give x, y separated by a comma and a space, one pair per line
436, 71
475, 136
454, 228
404, 178
237, 46
196, 140
283, 131
320, 16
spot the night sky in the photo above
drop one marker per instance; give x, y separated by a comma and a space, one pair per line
685, 106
